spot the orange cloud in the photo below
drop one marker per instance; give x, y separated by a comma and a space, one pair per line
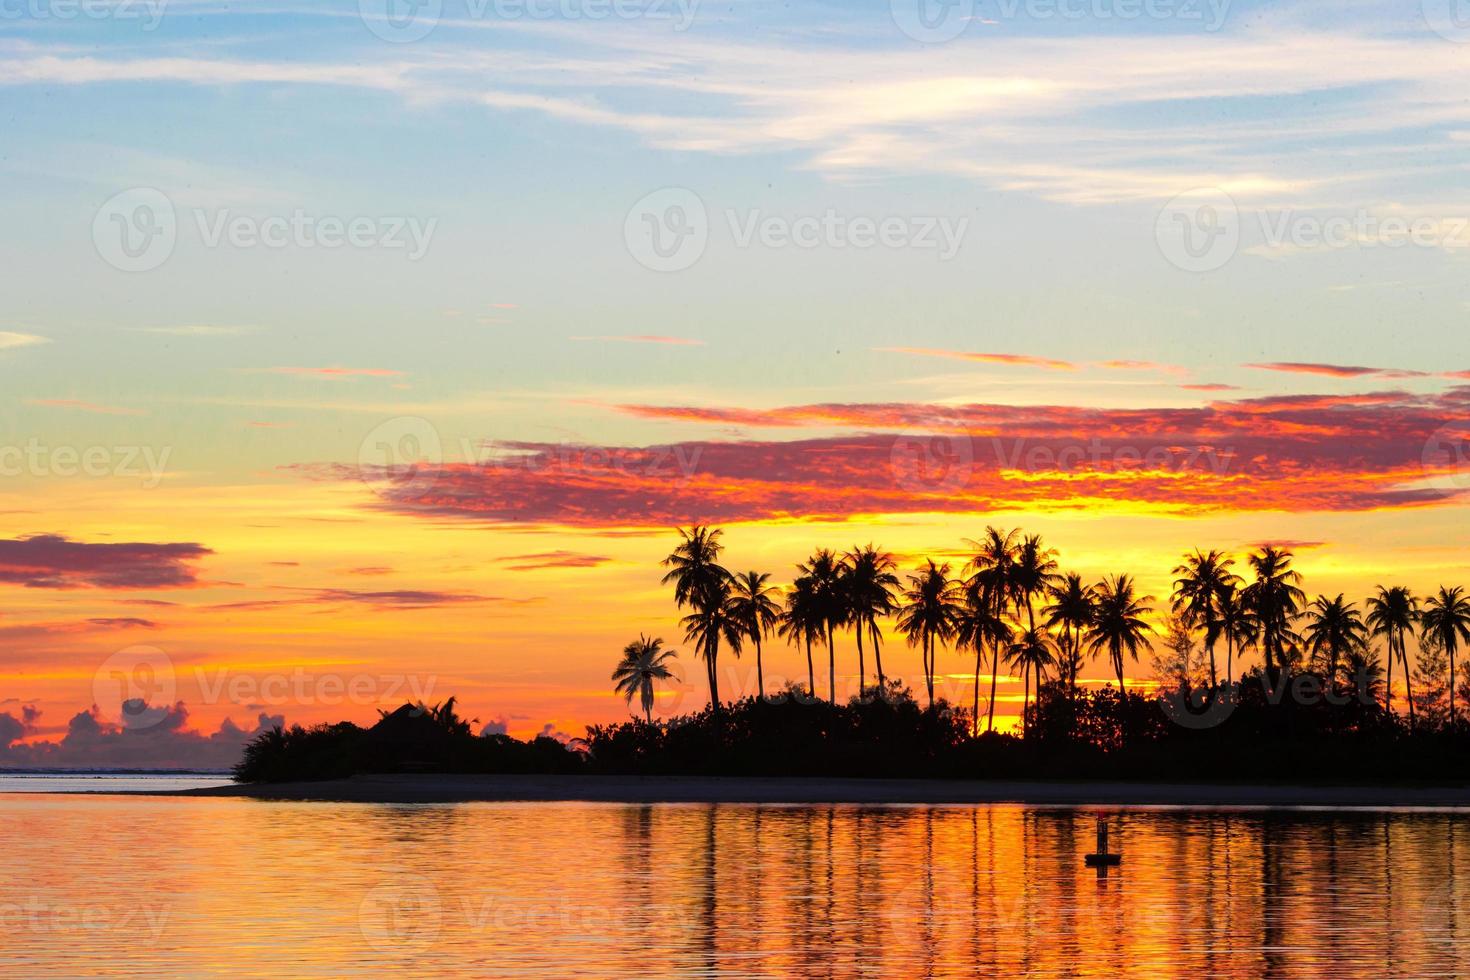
1016, 360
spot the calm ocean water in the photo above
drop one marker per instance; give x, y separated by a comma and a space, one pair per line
103, 885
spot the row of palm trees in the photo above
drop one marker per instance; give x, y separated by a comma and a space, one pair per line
1011, 605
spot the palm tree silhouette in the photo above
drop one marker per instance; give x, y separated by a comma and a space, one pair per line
1446, 617
801, 621
702, 584
1202, 579
757, 613
1237, 625
1033, 573
982, 624
1334, 628
825, 573
644, 661
1032, 651
929, 613
1275, 598
988, 594
1118, 626
1071, 611
869, 580
1392, 613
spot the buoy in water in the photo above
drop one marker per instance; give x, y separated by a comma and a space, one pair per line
1102, 859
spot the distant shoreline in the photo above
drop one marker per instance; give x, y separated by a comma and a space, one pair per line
778, 790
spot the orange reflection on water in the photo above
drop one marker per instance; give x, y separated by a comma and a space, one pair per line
244, 888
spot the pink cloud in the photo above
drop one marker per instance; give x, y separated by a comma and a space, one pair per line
553, 559
1016, 360
336, 372
51, 561
82, 406
647, 338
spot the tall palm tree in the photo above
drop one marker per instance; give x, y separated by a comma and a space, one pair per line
644, 661
1032, 574
929, 614
1033, 650
802, 621
1202, 579
706, 626
988, 594
825, 572
1118, 626
1334, 628
752, 606
1073, 605
702, 584
982, 623
869, 580
1392, 613
1275, 598
1237, 625
1446, 617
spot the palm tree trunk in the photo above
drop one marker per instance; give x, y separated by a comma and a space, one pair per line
1408, 682
1214, 680
1026, 698
878, 657
975, 711
1451, 646
1118, 666
1229, 659
925, 644
712, 663
994, 668
862, 667
760, 676
811, 673
831, 665
1388, 688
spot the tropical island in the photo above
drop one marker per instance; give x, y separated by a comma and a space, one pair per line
1318, 709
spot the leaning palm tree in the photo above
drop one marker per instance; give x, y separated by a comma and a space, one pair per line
1275, 598
644, 661
802, 622
1072, 607
757, 613
825, 573
1446, 618
1202, 579
981, 624
703, 585
929, 614
1392, 614
1118, 626
1033, 650
1334, 629
706, 626
869, 580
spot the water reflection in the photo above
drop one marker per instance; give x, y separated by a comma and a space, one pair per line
230, 887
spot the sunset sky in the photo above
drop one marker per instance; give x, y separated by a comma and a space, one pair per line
820, 274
